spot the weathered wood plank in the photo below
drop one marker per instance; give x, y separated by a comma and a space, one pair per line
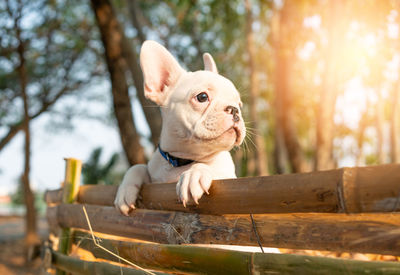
53, 196
346, 190
208, 260
366, 233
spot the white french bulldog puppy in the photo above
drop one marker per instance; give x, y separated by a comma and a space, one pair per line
202, 122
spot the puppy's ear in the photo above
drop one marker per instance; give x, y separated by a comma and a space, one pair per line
160, 71
209, 64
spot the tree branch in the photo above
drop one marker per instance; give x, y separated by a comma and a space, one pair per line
15, 128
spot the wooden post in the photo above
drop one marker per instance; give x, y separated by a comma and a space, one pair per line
70, 192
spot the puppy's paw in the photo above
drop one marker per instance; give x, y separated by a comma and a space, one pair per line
129, 189
126, 197
193, 183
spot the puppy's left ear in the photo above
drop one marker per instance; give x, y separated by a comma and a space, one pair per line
209, 63
160, 69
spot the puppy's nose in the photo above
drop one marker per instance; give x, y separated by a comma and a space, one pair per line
233, 111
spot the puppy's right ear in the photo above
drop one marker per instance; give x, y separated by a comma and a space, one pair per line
160, 71
209, 63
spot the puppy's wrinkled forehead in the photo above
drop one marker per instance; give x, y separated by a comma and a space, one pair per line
217, 86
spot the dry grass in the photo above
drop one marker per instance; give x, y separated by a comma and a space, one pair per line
12, 259
12, 251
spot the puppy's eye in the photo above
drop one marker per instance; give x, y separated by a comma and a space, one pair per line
202, 97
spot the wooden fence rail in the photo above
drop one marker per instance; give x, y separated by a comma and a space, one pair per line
346, 190
79, 267
208, 260
368, 233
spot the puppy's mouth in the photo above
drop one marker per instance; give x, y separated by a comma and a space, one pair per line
234, 129
219, 130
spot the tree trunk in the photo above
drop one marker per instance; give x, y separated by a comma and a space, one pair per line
379, 118
394, 125
362, 125
279, 155
112, 37
150, 109
279, 150
283, 93
31, 236
326, 108
260, 156
135, 12
239, 161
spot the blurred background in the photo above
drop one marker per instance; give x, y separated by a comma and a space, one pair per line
319, 80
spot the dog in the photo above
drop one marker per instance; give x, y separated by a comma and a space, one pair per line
202, 122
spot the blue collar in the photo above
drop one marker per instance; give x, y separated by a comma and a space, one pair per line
174, 161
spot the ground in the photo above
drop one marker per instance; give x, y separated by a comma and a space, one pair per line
12, 254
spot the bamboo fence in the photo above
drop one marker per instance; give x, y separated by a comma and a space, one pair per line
352, 210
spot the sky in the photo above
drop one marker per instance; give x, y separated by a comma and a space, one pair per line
49, 148
49, 151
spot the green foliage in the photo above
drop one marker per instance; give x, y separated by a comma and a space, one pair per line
60, 51
95, 173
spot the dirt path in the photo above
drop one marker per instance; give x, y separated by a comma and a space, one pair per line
12, 253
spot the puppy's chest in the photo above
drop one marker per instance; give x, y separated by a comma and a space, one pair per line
162, 172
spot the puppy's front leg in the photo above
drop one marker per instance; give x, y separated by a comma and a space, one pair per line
194, 182
130, 187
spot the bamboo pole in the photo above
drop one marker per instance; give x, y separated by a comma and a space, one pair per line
208, 260
346, 190
70, 193
169, 258
365, 233
77, 266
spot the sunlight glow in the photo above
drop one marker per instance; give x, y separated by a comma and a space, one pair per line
365, 61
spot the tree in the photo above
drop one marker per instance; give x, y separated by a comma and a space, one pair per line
379, 120
31, 235
150, 109
260, 158
37, 69
113, 38
284, 99
395, 113
394, 124
55, 68
329, 88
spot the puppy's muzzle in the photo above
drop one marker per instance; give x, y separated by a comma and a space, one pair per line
234, 112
